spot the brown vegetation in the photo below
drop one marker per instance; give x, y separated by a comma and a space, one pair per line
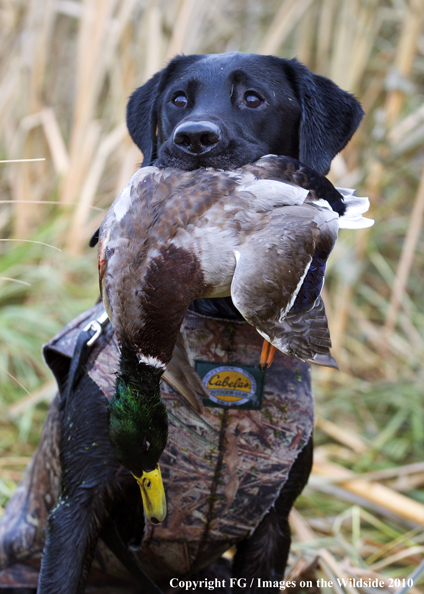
66, 70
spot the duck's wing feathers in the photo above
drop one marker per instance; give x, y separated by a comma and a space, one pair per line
273, 264
279, 273
321, 190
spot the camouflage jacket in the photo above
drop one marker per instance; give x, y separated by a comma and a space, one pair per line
224, 469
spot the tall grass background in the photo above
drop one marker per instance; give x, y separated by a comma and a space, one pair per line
67, 68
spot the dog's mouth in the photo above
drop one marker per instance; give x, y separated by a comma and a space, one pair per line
235, 154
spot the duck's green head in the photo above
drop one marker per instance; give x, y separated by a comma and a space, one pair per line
138, 427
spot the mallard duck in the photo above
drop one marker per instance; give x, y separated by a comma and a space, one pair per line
261, 233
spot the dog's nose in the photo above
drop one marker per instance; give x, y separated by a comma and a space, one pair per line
197, 137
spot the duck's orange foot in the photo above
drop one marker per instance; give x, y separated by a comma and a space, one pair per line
267, 355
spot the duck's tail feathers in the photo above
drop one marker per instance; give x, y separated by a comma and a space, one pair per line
355, 208
304, 335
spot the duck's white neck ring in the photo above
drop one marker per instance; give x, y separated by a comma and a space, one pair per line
152, 361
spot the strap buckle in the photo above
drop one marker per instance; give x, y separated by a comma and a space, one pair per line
97, 326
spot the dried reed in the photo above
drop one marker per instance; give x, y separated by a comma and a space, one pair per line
66, 70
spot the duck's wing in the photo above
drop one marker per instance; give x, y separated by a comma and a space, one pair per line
181, 376
273, 264
279, 276
321, 190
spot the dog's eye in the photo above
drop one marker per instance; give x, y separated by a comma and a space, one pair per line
180, 100
252, 99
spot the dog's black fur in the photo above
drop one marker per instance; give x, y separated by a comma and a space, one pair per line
300, 114
219, 111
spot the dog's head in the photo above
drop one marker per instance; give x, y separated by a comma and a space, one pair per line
227, 110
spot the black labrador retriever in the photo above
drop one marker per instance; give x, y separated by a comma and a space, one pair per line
226, 110
219, 111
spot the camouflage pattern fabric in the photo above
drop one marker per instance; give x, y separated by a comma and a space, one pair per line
224, 469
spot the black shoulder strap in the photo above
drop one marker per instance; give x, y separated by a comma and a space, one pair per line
79, 359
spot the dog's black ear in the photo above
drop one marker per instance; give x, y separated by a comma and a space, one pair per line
94, 238
141, 117
329, 118
143, 105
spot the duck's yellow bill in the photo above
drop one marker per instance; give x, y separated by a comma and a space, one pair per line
153, 495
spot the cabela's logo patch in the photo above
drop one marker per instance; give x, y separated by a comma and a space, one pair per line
232, 386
